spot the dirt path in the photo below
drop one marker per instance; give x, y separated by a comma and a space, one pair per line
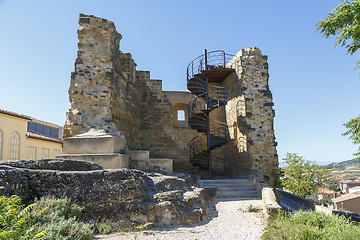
229, 219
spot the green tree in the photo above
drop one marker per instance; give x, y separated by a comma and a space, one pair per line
353, 132
305, 177
344, 23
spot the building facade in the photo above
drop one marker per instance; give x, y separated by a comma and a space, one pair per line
23, 137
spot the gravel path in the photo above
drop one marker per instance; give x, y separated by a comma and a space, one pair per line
228, 219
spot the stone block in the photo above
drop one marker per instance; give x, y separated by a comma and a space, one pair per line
161, 164
90, 145
139, 155
107, 161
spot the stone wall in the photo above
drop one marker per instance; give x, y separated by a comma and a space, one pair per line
249, 113
108, 93
91, 89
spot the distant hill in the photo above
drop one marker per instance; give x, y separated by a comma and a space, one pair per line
349, 169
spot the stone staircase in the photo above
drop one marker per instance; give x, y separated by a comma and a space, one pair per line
232, 188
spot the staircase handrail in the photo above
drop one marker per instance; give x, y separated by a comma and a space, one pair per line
219, 93
202, 141
217, 58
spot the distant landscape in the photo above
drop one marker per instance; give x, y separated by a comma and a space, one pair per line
345, 170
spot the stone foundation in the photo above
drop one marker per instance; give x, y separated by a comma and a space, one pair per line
126, 196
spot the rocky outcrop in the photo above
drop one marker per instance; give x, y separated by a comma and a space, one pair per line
122, 195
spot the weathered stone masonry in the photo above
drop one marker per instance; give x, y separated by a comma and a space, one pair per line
107, 93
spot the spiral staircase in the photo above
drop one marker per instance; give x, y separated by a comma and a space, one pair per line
207, 68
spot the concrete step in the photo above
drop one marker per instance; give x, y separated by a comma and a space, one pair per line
232, 188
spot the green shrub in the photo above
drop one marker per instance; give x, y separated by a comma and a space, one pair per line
104, 228
47, 218
310, 225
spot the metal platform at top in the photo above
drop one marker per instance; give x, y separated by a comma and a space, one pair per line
213, 65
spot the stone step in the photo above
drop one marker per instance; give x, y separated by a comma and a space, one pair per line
232, 188
236, 194
227, 181
236, 188
222, 185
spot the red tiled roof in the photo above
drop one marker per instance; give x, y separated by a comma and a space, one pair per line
41, 137
14, 114
325, 191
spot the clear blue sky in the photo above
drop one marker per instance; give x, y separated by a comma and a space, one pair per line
315, 88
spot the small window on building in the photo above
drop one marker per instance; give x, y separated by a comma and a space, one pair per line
180, 115
15, 146
1, 143
56, 152
44, 153
31, 152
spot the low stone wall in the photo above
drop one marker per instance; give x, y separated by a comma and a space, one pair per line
292, 202
122, 195
270, 205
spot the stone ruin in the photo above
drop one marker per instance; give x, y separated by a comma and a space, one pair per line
121, 118
125, 197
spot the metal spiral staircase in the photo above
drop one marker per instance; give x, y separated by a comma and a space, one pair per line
207, 68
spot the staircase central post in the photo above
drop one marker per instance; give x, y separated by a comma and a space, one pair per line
207, 112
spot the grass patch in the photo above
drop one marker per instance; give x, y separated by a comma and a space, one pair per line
310, 225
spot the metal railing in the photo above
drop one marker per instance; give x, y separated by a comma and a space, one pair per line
199, 145
217, 58
219, 164
198, 103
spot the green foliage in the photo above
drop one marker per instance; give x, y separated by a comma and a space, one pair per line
15, 220
335, 188
305, 177
104, 228
44, 219
145, 226
253, 209
310, 225
322, 201
280, 182
353, 131
344, 23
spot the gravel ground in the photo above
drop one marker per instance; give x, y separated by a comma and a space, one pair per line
228, 219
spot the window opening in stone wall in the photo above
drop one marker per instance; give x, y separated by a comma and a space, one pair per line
1, 144
44, 153
180, 115
15, 146
31, 152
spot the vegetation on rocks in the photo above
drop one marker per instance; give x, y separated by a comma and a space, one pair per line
310, 225
47, 218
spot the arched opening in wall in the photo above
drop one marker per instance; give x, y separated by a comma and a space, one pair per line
15, 146
180, 115
1, 143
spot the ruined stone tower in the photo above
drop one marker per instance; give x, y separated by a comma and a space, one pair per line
108, 95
